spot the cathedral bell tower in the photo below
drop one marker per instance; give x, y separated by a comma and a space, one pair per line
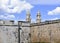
28, 19
38, 17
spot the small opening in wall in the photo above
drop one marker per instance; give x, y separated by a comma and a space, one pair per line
33, 31
27, 38
29, 34
20, 28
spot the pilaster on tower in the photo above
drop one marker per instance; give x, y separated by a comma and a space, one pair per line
38, 17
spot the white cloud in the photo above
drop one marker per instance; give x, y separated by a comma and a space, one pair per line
56, 11
14, 6
6, 16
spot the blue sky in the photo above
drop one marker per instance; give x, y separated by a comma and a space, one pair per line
16, 9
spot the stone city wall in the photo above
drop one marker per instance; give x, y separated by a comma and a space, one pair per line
8, 34
25, 32
46, 33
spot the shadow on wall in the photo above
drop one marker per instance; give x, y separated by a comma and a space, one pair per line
39, 42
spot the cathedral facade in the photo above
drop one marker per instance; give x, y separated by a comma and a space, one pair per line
27, 32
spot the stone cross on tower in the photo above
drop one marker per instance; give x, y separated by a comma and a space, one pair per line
38, 17
28, 16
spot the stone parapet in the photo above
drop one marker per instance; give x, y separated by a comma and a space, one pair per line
46, 22
8, 22
24, 23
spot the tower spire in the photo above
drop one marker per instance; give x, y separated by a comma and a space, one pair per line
28, 16
38, 19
